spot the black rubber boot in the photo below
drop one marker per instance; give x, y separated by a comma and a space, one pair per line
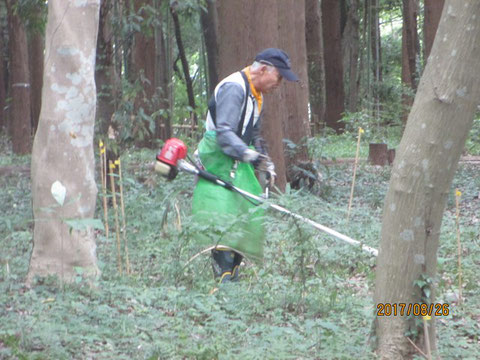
237, 260
223, 264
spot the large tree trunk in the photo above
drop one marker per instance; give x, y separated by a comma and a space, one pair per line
427, 158
332, 38
433, 12
63, 146
234, 20
209, 21
316, 66
20, 111
259, 22
105, 72
296, 124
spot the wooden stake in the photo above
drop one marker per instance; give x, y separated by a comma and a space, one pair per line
122, 207
458, 195
115, 210
427, 338
103, 175
360, 132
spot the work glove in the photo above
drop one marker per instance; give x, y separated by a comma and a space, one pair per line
265, 164
271, 174
261, 162
250, 156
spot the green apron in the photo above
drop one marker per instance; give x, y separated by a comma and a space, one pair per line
235, 222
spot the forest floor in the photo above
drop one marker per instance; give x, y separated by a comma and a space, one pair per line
311, 299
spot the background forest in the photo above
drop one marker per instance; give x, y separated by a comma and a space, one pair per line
157, 62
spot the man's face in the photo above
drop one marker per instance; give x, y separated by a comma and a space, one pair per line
270, 79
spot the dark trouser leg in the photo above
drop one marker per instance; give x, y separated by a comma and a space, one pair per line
223, 264
237, 260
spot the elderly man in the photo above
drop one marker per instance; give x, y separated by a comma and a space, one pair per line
231, 148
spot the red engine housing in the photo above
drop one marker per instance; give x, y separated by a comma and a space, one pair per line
173, 150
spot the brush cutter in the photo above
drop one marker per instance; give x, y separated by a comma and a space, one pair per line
172, 159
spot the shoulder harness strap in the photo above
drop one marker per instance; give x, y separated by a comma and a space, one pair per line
213, 111
247, 95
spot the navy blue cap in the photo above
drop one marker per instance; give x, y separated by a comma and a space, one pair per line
280, 60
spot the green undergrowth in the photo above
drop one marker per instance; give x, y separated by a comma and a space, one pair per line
311, 298
334, 147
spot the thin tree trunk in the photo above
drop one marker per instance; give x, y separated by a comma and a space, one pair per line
204, 70
20, 113
105, 72
3, 80
411, 43
376, 43
120, 49
367, 36
143, 69
183, 59
350, 46
36, 50
316, 67
410, 52
127, 42
335, 95
376, 56
362, 74
63, 146
209, 21
433, 12
170, 37
163, 123
422, 174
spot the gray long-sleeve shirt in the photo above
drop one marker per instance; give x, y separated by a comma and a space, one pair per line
229, 106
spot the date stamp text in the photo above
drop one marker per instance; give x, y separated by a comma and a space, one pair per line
415, 309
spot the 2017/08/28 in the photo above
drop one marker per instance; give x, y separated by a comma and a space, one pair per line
416, 309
